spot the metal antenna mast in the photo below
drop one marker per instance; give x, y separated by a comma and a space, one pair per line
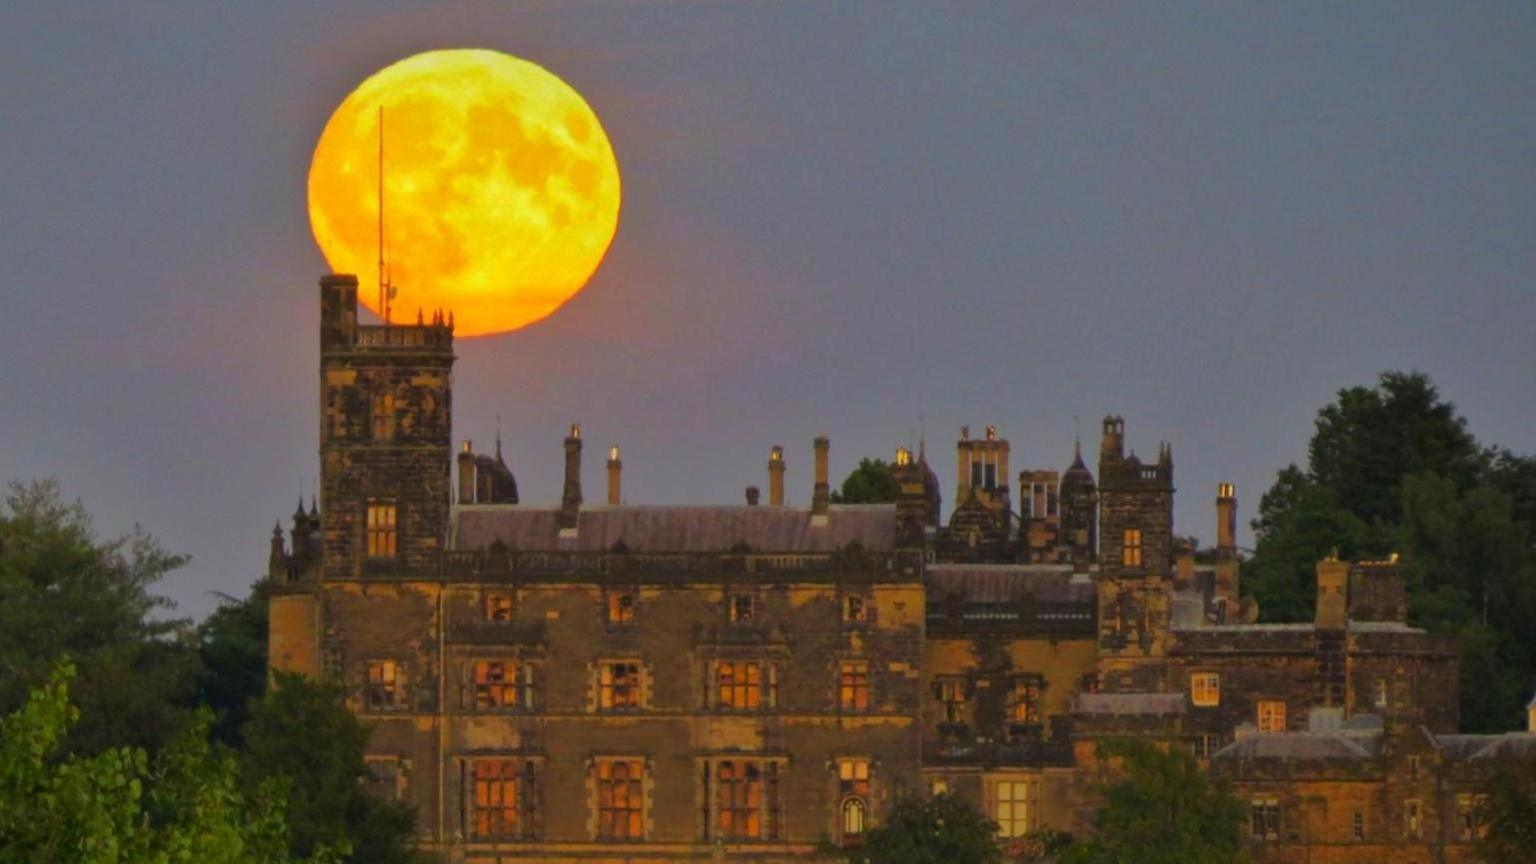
383, 281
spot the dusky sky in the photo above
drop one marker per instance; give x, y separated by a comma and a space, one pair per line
838, 218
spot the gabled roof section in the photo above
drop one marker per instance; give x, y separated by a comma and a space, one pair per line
1008, 583
675, 529
1145, 704
1466, 748
1302, 745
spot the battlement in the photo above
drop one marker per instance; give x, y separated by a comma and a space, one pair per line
413, 338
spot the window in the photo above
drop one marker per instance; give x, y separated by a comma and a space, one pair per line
1264, 819
1381, 692
1467, 822
853, 608
1014, 809
1205, 744
1412, 820
1205, 689
1130, 548
621, 608
952, 699
620, 799
618, 686
383, 415
1271, 715
381, 530
853, 689
498, 606
1413, 767
384, 780
938, 787
853, 792
502, 684
739, 685
502, 798
1024, 701
745, 796
383, 684
1357, 825
740, 608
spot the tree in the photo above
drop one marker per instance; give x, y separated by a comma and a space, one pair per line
69, 594
939, 830
1508, 809
112, 808
301, 734
1299, 522
873, 482
232, 645
1163, 810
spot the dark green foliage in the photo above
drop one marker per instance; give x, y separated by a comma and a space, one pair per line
64, 593
232, 644
1509, 812
1162, 810
940, 830
873, 482
1393, 468
301, 733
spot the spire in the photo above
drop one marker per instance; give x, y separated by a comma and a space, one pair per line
314, 508
298, 512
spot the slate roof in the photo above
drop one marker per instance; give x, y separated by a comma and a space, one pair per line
1302, 745
1008, 583
1155, 704
675, 529
1510, 745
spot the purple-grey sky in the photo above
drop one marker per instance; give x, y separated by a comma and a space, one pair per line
837, 218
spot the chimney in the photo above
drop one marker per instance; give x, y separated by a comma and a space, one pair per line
752, 496
338, 311
776, 476
963, 465
1112, 446
467, 480
570, 500
821, 493
277, 559
615, 468
1226, 517
1183, 567
1332, 604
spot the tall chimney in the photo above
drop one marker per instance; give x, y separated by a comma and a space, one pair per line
467, 473
963, 465
821, 493
570, 501
615, 468
776, 476
752, 496
1332, 601
1226, 516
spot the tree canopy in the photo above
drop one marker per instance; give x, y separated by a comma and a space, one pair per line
1508, 811
944, 829
873, 482
1162, 809
1393, 468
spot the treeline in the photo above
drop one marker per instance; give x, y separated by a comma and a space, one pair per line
134, 736
1392, 468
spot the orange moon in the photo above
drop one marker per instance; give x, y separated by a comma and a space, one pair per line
501, 191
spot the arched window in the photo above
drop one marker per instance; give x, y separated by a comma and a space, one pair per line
853, 819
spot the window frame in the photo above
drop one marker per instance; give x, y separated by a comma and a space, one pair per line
499, 606
1264, 819
381, 416
741, 609
621, 608
1022, 801
487, 692
854, 691
607, 784
381, 536
953, 696
854, 785
383, 684
609, 686
1131, 547
1205, 689
724, 798
522, 776
1026, 692
1270, 715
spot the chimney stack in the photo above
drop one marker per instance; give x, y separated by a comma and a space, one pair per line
821, 493
776, 476
467, 481
1226, 517
963, 465
615, 468
752, 496
570, 501
1332, 600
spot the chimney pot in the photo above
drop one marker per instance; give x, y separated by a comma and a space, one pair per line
776, 476
821, 492
615, 469
468, 480
752, 496
570, 500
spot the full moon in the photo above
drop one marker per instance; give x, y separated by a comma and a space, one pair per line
500, 189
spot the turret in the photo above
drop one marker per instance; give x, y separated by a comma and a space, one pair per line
570, 499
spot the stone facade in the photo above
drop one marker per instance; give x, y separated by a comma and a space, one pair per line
581, 681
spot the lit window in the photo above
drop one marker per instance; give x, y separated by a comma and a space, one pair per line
853, 689
853, 791
1014, 808
498, 606
740, 608
938, 787
618, 686
381, 530
502, 684
1469, 824
1130, 548
739, 684
1412, 820
746, 799
1357, 825
620, 799
383, 683
1024, 701
1264, 819
1381, 692
1205, 689
952, 698
502, 798
853, 608
383, 415
621, 608
1271, 715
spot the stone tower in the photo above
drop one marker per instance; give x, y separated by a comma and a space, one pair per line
1079, 509
385, 442
1135, 559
